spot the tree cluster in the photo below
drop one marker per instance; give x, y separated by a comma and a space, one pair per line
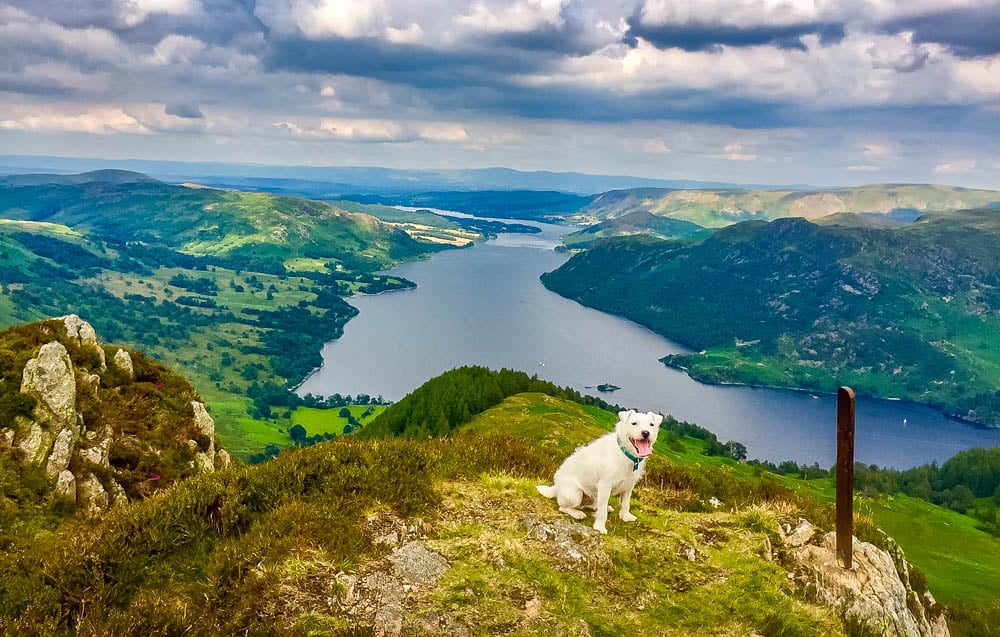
443, 403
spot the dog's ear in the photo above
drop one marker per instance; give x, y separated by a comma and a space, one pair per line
657, 418
625, 415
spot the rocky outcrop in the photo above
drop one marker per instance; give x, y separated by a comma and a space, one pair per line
84, 335
123, 361
874, 597
48, 378
205, 459
77, 459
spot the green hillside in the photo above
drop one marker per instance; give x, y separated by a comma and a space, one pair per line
906, 312
638, 222
715, 208
237, 290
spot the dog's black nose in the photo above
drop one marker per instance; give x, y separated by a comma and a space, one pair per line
645, 434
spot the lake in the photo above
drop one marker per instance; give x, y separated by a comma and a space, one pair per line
486, 306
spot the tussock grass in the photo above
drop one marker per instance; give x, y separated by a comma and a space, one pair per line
208, 554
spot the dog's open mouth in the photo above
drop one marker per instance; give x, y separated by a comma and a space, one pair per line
643, 446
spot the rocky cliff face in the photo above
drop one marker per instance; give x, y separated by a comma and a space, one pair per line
104, 434
874, 597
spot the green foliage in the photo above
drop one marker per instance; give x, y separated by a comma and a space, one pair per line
444, 403
212, 544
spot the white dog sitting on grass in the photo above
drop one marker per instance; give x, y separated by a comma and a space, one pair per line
610, 465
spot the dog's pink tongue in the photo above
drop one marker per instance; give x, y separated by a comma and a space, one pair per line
643, 446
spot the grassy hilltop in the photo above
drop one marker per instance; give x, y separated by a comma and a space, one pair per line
315, 541
905, 311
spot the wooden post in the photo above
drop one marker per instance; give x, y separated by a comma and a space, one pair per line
845, 476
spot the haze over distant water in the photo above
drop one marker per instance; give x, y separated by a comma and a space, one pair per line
486, 306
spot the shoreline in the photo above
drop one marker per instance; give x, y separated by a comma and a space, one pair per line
818, 392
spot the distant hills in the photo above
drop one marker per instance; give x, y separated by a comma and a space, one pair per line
332, 182
714, 208
904, 311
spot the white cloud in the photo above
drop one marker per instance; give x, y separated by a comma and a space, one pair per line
856, 71
518, 16
21, 30
877, 151
135, 12
177, 49
864, 168
378, 130
956, 166
443, 132
734, 152
99, 121
739, 13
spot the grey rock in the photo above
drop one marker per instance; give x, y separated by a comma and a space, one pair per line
571, 540
413, 563
389, 605
49, 378
34, 441
123, 361
873, 594
117, 493
84, 334
91, 497
97, 447
801, 534
62, 451
66, 485
205, 460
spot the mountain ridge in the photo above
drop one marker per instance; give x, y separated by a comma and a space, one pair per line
889, 311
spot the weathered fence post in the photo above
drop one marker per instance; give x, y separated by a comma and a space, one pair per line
845, 476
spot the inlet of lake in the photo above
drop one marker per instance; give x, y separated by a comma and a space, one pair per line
486, 306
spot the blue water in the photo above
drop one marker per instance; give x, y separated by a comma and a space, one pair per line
486, 306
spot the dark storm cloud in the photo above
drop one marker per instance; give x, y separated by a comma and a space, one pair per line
186, 110
708, 37
968, 32
406, 64
39, 87
219, 22
75, 14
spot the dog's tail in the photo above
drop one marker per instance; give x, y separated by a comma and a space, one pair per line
547, 490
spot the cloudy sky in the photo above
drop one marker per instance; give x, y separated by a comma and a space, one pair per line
825, 92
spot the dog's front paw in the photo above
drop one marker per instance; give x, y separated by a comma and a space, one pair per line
627, 517
600, 528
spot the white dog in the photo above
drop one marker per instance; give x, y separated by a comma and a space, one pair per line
610, 465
